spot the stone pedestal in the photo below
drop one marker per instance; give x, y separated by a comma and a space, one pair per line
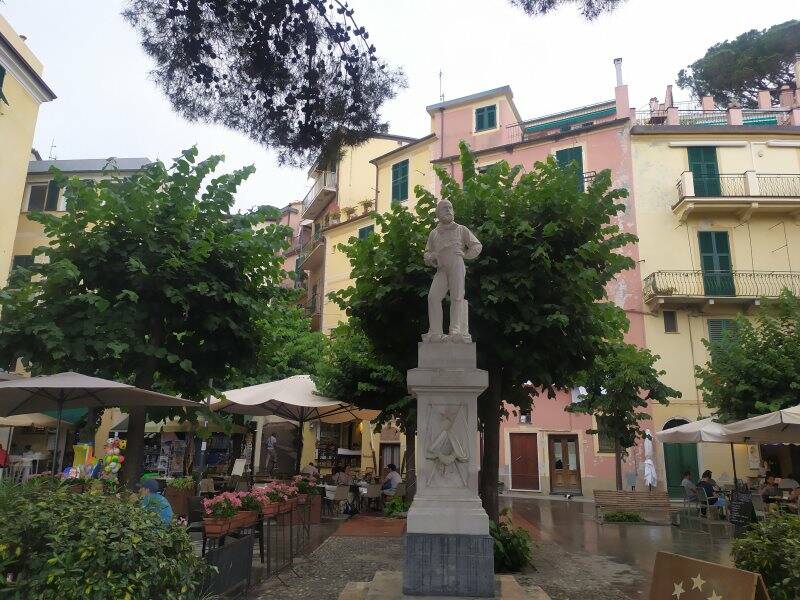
449, 551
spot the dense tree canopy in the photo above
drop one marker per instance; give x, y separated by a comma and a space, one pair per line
149, 280
755, 368
536, 292
590, 9
620, 384
734, 70
299, 76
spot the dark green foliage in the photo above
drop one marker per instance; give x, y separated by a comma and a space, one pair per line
181, 483
58, 545
755, 369
622, 517
512, 545
299, 76
394, 507
590, 9
734, 70
772, 547
151, 280
621, 382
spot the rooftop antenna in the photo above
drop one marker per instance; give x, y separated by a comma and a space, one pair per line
441, 93
51, 155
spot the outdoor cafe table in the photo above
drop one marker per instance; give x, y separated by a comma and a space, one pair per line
330, 490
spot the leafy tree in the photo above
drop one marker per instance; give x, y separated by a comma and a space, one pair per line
736, 70
755, 369
298, 76
619, 385
590, 9
150, 280
536, 292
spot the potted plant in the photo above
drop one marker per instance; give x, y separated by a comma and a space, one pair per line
367, 205
350, 212
219, 511
308, 489
335, 215
178, 491
250, 509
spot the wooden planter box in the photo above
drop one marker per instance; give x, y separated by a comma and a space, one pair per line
216, 527
269, 510
245, 518
77, 488
179, 500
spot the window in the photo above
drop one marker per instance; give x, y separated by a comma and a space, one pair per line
2, 77
20, 260
400, 181
716, 263
485, 168
567, 156
670, 321
705, 171
525, 416
365, 231
604, 438
43, 197
718, 328
485, 117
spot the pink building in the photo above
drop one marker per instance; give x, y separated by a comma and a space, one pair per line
548, 450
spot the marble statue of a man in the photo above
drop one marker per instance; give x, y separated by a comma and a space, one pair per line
448, 245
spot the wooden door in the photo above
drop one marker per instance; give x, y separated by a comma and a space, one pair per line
524, 461
679, 458
565, 467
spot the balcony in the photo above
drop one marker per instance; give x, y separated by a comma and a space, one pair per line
312, 254
671, 288
322, 192
697, 117
741, 194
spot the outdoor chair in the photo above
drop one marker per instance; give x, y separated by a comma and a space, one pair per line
706, 507
16, 473
206, 486
195, 518
690, 503
340, 495
373, 495
758, 506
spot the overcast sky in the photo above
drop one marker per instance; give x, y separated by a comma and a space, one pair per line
107, 105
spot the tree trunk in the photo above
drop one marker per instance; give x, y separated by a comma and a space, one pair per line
618, 464
489, 410
411, 462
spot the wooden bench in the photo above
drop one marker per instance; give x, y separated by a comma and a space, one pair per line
638, 502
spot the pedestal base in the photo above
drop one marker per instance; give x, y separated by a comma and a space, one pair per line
442, 564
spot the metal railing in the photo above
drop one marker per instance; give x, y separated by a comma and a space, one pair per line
704, 284
308, 248
755, 117
326, 179
761, 117
715, 186
779, 186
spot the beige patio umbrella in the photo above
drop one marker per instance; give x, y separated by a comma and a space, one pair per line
295, 399
31, 420
73, 390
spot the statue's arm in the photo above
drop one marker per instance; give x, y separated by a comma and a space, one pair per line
430, 254
473, 246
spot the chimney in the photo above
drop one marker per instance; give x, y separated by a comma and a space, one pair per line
764, 100
618, 67
621, 101
24, 38
786, 96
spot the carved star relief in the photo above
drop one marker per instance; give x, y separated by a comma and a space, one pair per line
714, 596
678, 590
697, 582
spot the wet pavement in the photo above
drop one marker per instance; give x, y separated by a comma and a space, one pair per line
573, 547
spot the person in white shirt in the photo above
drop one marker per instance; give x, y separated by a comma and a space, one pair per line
310, 470
788, 483
391, 480
272, 456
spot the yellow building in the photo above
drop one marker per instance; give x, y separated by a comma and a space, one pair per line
22, 91
717, 206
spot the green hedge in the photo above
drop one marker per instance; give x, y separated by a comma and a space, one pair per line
622, 516
512, 545
58, 545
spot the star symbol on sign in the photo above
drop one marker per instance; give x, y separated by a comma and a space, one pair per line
697, 582
714, 596
678, 590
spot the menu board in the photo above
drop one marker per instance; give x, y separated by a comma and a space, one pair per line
741, 510
687, 578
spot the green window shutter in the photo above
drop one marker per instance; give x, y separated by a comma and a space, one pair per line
719, 328
716, 264
365, 231
567, 156
486, 117
2, 79
705, 170
400, 181
52, 196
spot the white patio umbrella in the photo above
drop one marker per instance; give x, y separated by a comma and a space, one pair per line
295, 399
650, 477
781, 426
73, 390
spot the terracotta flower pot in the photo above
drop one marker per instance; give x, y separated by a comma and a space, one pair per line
285, 507
270, 510
178, 500
302, 499
216, 527
247, 518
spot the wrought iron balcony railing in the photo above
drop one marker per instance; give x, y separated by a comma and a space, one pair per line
779, 186
738, 185
719, 284
326, 180
696, 117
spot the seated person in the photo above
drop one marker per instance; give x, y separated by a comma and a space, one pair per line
789, 483
342, 476
310, 470
391, 480
689, 487
150, 499
769, 490
708, 485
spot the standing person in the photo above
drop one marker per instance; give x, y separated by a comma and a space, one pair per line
391, 480
150, 499
272, 452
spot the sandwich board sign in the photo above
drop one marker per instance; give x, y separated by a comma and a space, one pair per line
678, 577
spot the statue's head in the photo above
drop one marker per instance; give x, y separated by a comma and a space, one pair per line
444, 212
